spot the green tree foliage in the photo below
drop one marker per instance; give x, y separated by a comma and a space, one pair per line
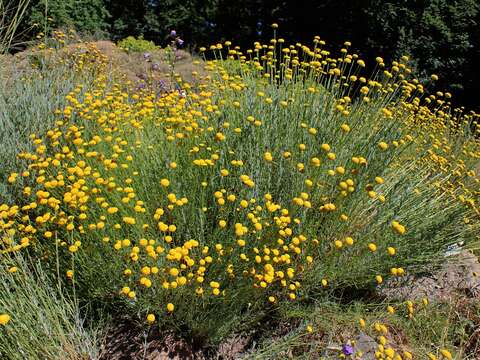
189, 17
441, 36
155, 19
87, 16
127, 17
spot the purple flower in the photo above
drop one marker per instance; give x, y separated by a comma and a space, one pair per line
146, 56
347, 350
162, 85
155, 66
180, 41
173, 33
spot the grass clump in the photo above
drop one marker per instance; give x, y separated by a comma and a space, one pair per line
45, 322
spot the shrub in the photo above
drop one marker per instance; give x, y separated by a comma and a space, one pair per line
132, 44
291, 178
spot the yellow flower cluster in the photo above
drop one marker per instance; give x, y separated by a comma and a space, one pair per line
265, 181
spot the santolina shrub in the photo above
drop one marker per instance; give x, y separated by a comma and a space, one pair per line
280, 174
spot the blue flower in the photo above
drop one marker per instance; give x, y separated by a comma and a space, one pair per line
347, 350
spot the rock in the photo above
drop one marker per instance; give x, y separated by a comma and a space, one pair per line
233, 347
366, 345
460, 273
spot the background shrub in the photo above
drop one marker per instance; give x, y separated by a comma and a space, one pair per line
131, 44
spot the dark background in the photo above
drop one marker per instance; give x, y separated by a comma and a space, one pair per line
440, 36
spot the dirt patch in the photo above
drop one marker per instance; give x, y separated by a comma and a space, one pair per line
152, 65
233, 348
459, 274
127, 340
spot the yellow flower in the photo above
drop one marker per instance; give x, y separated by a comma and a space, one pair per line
383, 145
170, 307
446, 354
151, 318
362, 323
398, 227
164, 182
315, 161
325, 147
268, 157
112, 210
129, 220
4, 319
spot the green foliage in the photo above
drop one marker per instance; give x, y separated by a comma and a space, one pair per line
119, 142
85, 16
155, 19
132, 44
440, 35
